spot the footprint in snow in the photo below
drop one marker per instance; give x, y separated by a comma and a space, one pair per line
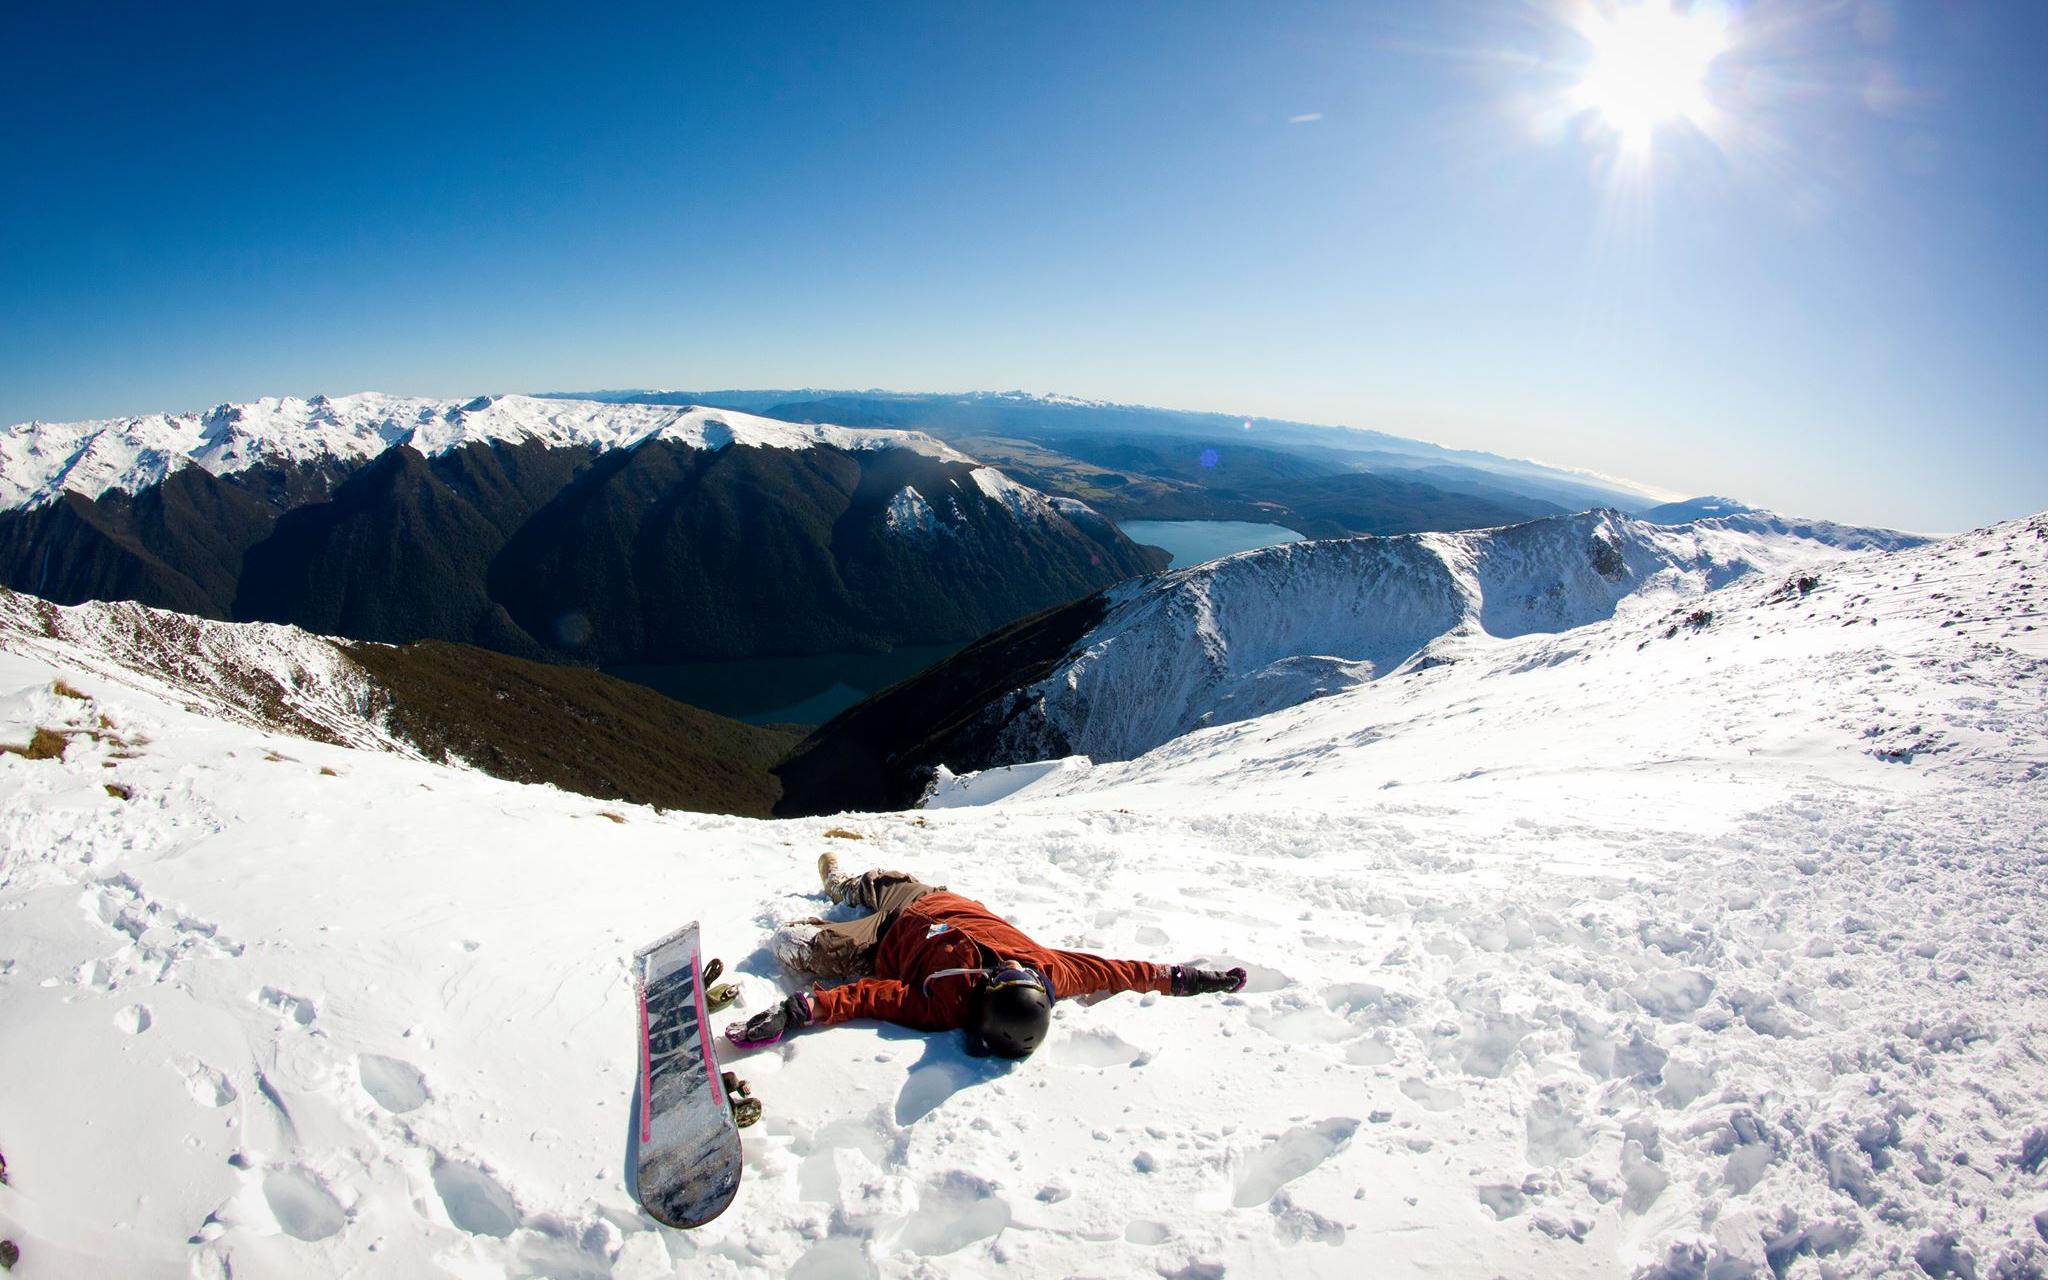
1302, 1224
287, 1199
1296, 1018
303, 1206
1369, 1005
1506, 1200
134, 1019
392, 1083
834, 1256
954, 1210
474, 1200
209, 1086
1436, 1097
114, 902
1100, 1048
1293, 1154
288, 1006
1372, 1051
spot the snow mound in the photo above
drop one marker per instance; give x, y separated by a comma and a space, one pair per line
40, 461
986, 786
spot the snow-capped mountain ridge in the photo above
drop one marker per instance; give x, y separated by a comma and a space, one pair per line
39, 461
1864, 615
491, 521
1268, 628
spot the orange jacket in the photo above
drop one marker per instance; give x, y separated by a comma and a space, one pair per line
940, 931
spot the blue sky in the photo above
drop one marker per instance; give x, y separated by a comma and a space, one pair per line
1838, 305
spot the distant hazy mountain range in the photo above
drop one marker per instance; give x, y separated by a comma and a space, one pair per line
1691, 509
1212, 465
609, 533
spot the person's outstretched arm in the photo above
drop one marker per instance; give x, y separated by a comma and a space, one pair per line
881, 998
891, 1001
1077, 973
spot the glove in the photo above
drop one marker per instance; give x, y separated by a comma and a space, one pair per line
1203, 982
769, 1025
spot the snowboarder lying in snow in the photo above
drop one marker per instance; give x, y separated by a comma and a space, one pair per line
934, 960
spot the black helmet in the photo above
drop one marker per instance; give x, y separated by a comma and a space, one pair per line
1011, 1013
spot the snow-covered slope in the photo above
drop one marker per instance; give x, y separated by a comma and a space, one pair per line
250, 673
1270, 628
1727, 922
40, 460
1704, 940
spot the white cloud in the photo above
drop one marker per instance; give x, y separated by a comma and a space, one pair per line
1309, 118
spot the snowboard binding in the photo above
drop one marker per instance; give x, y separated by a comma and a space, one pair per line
718, 997
746, 1109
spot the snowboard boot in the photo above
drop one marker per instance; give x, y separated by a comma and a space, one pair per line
828, 874
746, 1109
791, 947
716, 998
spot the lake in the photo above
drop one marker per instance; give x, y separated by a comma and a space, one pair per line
808, 690
1193, 541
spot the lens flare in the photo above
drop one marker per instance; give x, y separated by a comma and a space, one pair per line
1649, 66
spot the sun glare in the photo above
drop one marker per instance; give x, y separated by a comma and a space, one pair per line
1649, 65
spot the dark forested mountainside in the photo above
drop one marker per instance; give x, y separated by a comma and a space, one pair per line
177, 545
659, 553
572, 728
880, 754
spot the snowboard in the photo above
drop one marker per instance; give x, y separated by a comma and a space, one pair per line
689, 1156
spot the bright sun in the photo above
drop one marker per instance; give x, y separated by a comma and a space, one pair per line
1649, 65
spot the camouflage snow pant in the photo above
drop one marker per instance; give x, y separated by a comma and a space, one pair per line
846, 949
